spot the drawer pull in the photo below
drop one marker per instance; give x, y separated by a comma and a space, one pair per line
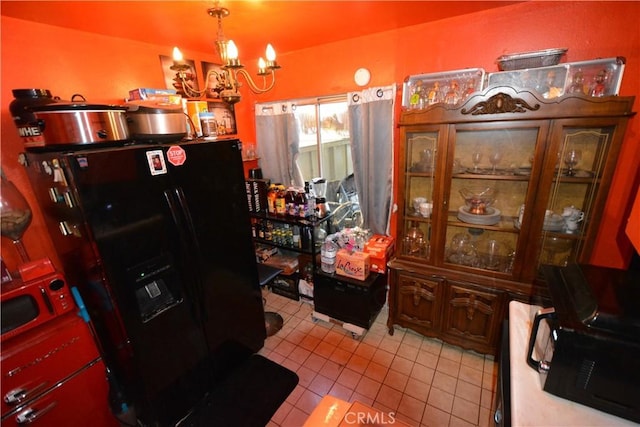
19, 395
31, 415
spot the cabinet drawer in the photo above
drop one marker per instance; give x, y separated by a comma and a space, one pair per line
418, 302
472, 314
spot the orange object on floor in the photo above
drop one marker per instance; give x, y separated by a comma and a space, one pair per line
334, 412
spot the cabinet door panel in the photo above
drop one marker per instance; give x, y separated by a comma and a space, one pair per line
472, 314
419, 180
575, 202
493, 170
419, 302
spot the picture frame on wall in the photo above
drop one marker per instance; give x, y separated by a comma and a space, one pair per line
211, 81
173, 82
225, 116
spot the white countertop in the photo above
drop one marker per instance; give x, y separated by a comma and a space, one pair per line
530, 405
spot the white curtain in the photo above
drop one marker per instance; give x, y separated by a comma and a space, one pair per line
278, 143
371, 131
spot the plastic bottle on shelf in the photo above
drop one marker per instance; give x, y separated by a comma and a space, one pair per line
275, 235
260, 229
296, 237
254, 228
287, 235
328, 253
272, 194
280, 204
268, 231
311, 200
290, 202
301, 201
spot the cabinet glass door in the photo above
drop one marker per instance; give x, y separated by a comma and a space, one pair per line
490, 180
579, 170
419, 189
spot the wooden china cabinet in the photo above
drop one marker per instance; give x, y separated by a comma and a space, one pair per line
488, 192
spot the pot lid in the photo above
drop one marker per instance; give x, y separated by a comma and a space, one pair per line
76, 106
31, 93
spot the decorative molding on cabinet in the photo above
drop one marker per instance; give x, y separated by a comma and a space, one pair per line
500, 103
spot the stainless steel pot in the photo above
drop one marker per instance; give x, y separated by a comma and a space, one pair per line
162, 124
78, 123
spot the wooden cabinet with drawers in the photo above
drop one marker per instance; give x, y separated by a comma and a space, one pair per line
490, 190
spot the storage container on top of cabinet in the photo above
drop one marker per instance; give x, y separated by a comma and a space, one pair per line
488, 192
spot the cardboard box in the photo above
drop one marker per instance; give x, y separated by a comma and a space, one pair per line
146, 93
352, 264
264, 252
380, 249
158, 96
288, 264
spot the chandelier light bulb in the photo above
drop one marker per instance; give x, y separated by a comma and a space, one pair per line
271, 53
177, 56
232, 50
262, 67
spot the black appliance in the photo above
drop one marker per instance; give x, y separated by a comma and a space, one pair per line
591, 353
157, 239
350, 300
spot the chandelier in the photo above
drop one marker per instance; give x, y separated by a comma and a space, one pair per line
226, 80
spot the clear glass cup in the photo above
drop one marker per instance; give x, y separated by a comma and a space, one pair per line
571, 159
15, 215
422, 246
476, 158
494, 159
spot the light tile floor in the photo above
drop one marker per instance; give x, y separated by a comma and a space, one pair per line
423, 381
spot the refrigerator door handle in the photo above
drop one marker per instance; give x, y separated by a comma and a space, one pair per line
178, 206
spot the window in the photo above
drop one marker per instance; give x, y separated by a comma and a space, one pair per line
327, 153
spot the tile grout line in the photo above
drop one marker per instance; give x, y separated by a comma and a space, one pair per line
400, 342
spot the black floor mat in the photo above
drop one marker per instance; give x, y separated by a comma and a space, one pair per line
248, 397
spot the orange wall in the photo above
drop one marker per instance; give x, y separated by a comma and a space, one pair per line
104, 69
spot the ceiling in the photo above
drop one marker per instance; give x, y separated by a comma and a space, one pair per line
289, 25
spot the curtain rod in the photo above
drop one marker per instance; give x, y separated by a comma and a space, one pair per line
306, 101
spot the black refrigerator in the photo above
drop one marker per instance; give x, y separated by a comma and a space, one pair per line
157, 238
